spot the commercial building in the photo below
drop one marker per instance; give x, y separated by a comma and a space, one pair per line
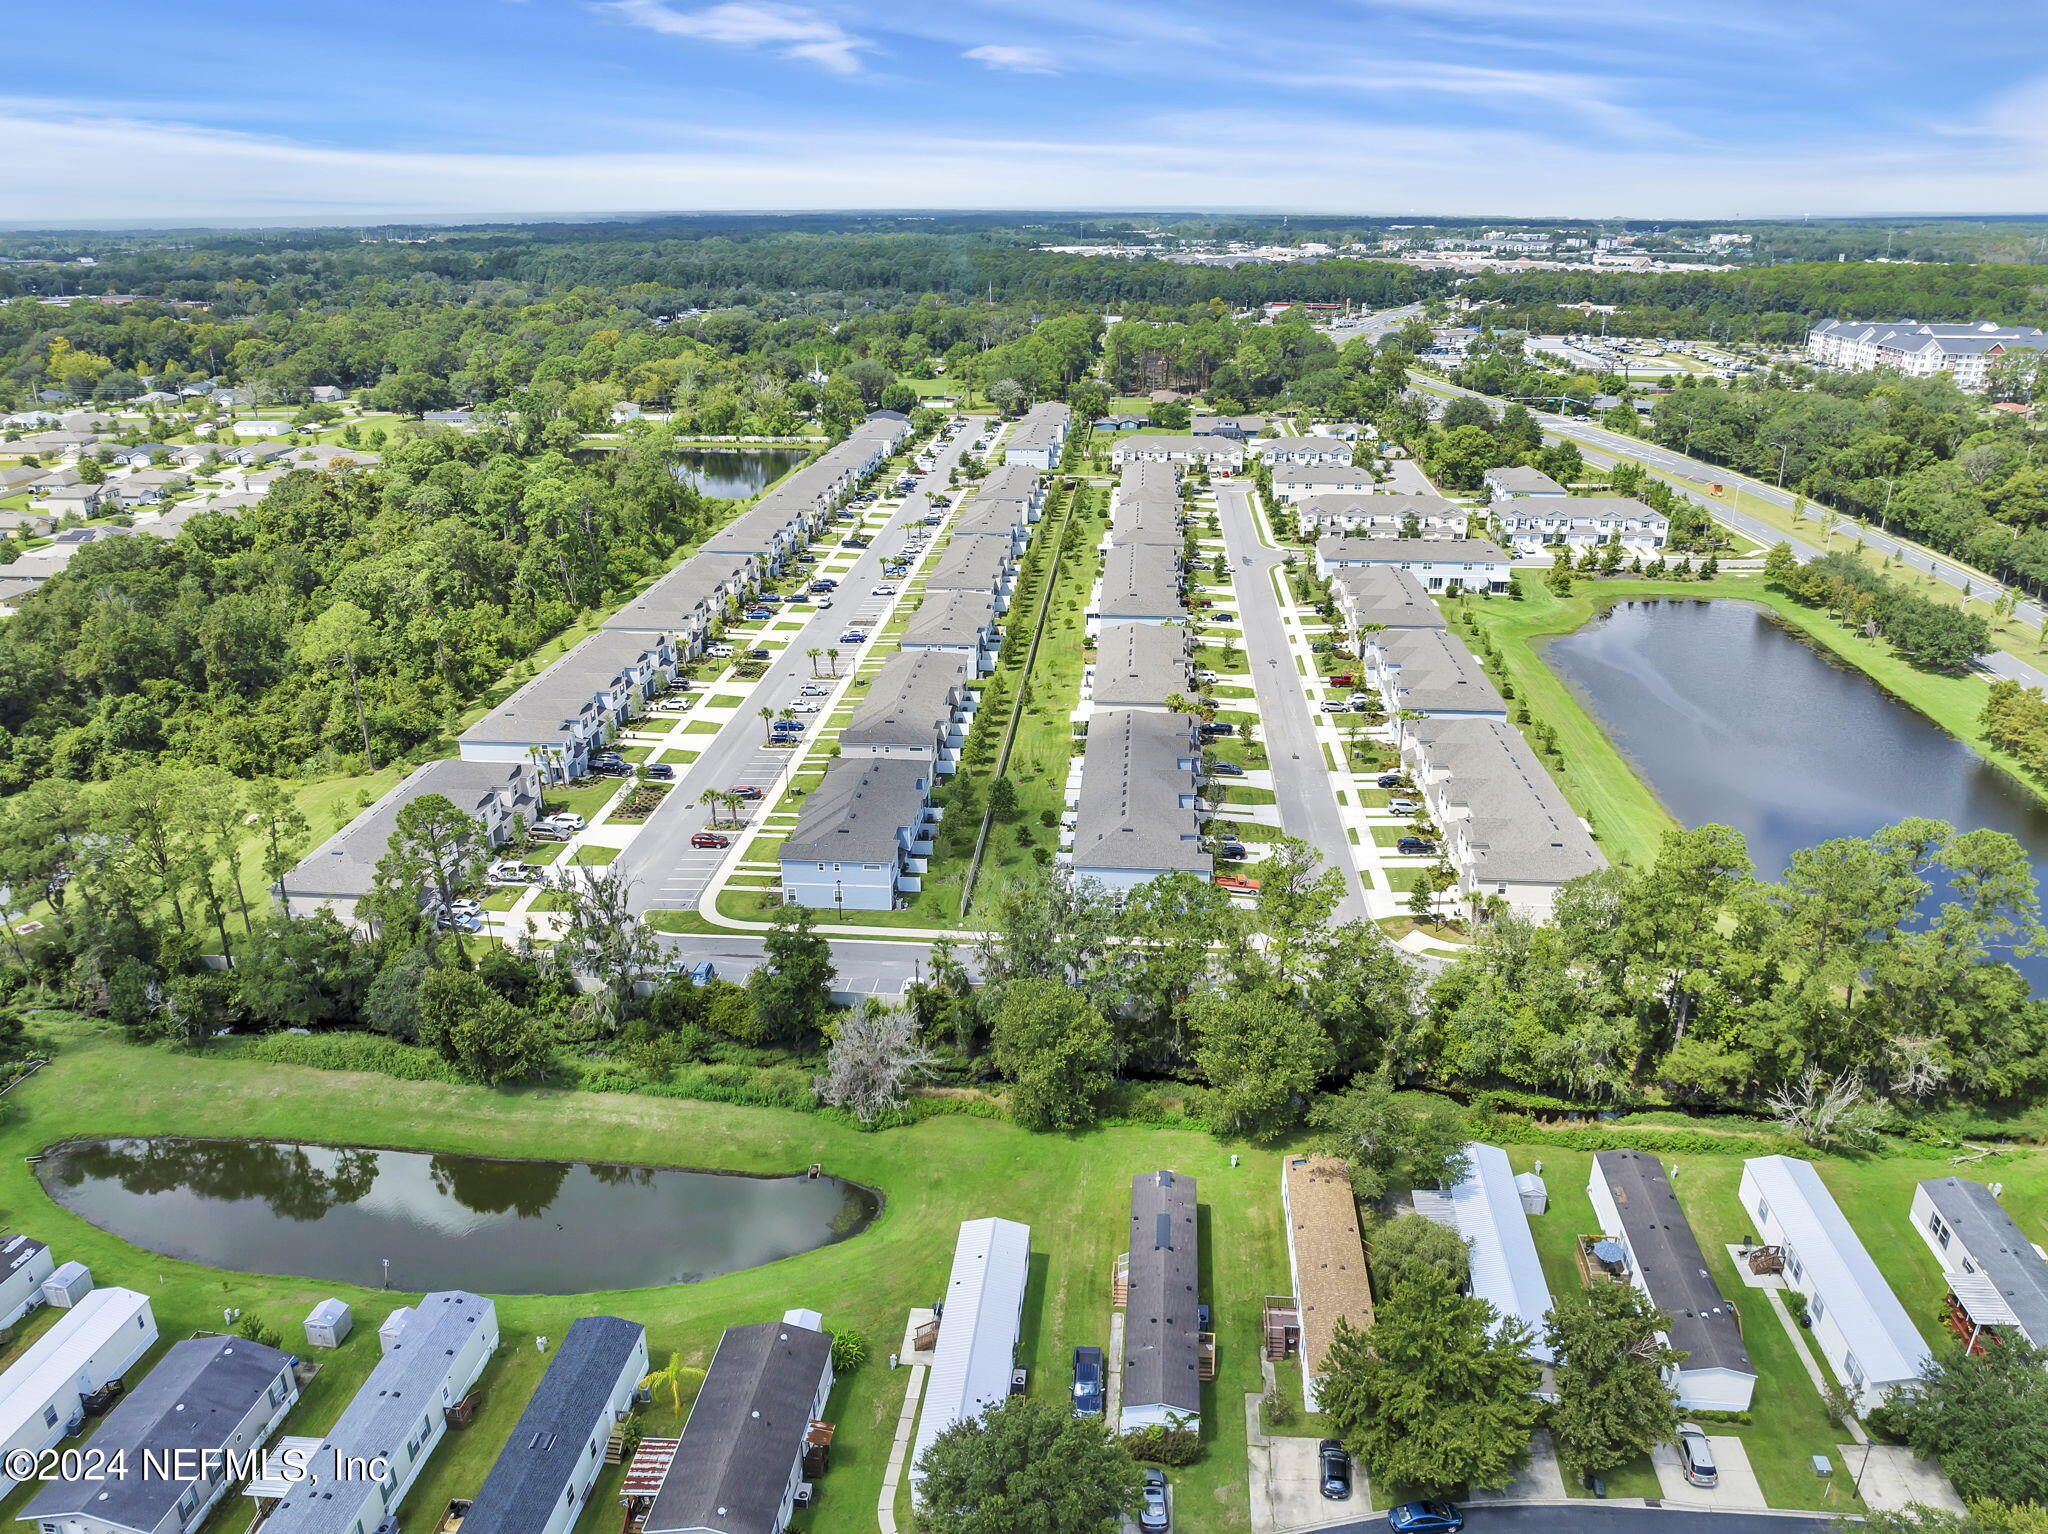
1857, 1322
983, 1313
1967, 352
1998, 1279
162, 1459
1326, 1256
1468, 564
1163, 1338
42, 1392
739, 1463
864, 836
543, 1477
343, 869
432, 1356
1638, 1209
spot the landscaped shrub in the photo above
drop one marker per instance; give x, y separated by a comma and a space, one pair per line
1170, 1446
849, 1351
344, 1051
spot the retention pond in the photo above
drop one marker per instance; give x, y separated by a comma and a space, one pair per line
735, 473
1733, 719
471, 1222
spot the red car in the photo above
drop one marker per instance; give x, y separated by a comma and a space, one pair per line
710, 839
745, 792
1344, 679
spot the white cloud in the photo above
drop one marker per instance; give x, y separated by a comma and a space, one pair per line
789, 30
80, 169
1023, 61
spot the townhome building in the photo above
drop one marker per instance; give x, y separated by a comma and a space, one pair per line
1138, 665
1429, 671
1532, 524
985, 565
917, 708
1469, 564
1218, 454
1300, 451
864, 836
343, 869
691, 600
1294, 482
1139, 583
1382, 596
1135, 801
1515, 481
1967, 352
958, 622
1038, 439
564, 716
1381, 516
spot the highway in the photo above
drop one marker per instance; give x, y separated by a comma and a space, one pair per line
1603, 446
1585, 1516
1302, 781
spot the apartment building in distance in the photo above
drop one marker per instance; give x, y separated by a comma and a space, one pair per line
1966, 352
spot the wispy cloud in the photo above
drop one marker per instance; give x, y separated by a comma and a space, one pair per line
1023, 61
788, 30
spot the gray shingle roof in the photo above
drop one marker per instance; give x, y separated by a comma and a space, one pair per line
1140, 580
951, 618
1523, 481
193, 1400
540, 1460
1520, 828
1137, 665
1669, 1260
745, 1432
691, 585
1161, 1363
856, 814
909, 701
969, 564
1385, 594
1998, 1247
1129, 815
345, 865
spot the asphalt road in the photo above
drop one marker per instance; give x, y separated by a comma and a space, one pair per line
1301, 775
866, 967
1590, 1517
1607, 444
663, 871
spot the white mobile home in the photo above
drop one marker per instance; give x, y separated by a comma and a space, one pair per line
977, 1349
1486, 1209
1865, 1333
102, 1336
541, 1479
1998, 1279
24, 1263
399, 1415
210, 1398
1638, 1208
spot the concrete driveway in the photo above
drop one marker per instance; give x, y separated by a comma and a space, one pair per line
1891, 1479
1738, 1491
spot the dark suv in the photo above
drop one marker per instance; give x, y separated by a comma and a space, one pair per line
1336, 1468
1088, 1378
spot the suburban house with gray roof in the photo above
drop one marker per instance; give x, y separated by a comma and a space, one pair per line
918, 708
1638, 1208
1039, 437
865, 834
542, 1478
1163, 1341
1293, 482
1133, 794
399, 1416
1514, 481
962, 622
1473, 564
343, 869
178, 1438
1139, 665
740, 1459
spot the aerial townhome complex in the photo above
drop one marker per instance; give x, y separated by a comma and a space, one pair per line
1965, 352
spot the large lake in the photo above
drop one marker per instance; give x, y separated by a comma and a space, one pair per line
1733, 719
462, 1222
735, 473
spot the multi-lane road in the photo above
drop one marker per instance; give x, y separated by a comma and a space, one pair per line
1590, 1517
1604, 446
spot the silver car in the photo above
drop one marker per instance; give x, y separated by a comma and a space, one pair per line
1696, 1456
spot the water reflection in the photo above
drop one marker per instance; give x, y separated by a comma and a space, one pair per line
735, 473
508, 1227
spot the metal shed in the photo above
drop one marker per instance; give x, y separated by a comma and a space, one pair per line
1535, 1196
329, 1324
68, 1285
394, 1324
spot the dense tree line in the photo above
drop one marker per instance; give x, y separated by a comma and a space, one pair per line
1928, 633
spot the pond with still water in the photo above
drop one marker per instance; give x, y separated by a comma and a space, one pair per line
465, 1222
735, 473
1734, 719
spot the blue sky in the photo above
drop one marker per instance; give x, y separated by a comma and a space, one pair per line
137, 109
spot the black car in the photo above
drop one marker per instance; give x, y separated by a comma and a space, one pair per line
1225, 770
1219, 729
1088, 1382
1389, 780
1230, 849
1336, 1468
660, 770
1414, 845
757, 654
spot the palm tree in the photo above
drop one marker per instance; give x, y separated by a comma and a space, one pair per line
767, 718
732, 802
785, 715
672, 1378
712, 798
812, 655
833, 655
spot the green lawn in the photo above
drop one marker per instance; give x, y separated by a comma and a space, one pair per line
593, 857
1073, 1190
585, 801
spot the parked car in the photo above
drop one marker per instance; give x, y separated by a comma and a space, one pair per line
934, 520
1335, 706
466, 907
813, 690
883, 591
1403, 806
803, 708
1088, 1378
562, 820
1344, 679
1218, 728
1696, 1456
758, 654
788, 726
710, 839
1230, 849
1153, 1517
1200, 602
1336, 1468
1389, 780
660, 771
448, 921
1236, 885
852, 636
1224, 770
853, 543
757, 614
1425, 1518
1415, 845
745, 791
719, 651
